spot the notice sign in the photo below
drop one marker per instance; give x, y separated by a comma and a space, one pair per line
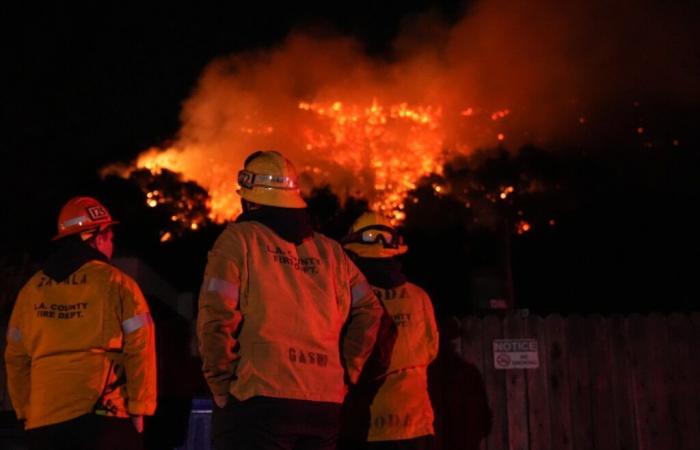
515, 354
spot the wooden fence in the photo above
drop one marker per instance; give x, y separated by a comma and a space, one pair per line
613, 382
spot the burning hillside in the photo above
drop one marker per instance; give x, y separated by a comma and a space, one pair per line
368, 127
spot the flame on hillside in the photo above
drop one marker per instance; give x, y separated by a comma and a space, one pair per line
509, 72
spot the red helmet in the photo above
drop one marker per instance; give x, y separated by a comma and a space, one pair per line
81, 214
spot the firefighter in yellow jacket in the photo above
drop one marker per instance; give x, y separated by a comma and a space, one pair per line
285, 319
401, 415
80, 350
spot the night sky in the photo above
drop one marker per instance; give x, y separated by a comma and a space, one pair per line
85, 87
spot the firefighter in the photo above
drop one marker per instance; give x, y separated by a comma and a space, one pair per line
285, 319
400, 412
80, 354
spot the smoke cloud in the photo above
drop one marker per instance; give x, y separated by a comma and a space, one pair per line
509, 72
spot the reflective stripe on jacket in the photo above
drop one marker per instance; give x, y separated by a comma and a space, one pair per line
401, 408
271, 316
72, 343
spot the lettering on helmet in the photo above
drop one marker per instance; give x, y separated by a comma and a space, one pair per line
97, 212
299, 356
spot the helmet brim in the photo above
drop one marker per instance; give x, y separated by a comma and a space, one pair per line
77, 230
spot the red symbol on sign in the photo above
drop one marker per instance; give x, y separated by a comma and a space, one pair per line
503, 360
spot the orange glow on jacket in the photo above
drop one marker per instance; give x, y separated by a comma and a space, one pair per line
68, 343
271, 316
401, 408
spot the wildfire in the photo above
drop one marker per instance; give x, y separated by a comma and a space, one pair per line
373, 150
387, 148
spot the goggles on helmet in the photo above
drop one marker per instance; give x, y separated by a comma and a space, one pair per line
374, 234
249, 180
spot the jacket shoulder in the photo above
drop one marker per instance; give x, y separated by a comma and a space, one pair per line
110, 273
417, 290
234, 236
331, 246
320, 237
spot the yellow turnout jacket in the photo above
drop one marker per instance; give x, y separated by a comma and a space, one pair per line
84, 344
283, 320
401, 408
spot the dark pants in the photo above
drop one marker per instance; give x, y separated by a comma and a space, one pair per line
87, 432
262, 423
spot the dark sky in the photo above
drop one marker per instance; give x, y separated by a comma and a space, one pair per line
111, 82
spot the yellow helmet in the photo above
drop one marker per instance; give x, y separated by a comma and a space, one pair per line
373, 236
269, 178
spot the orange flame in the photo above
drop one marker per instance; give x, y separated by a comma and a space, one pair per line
384, 149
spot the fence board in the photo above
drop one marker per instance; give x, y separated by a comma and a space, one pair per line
516, 391
623, 380
538, 390
662, 433
444, 388
603, 405
580, 383
693, 367
667, 372
559, 399
684, 389
495, 386
644, 401
473, 348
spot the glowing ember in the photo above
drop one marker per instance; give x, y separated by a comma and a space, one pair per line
506, 191
498, 115
522, 227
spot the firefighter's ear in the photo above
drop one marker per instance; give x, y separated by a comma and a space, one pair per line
104, 242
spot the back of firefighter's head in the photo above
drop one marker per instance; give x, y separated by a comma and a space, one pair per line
373, 236
270, 179
87, 220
